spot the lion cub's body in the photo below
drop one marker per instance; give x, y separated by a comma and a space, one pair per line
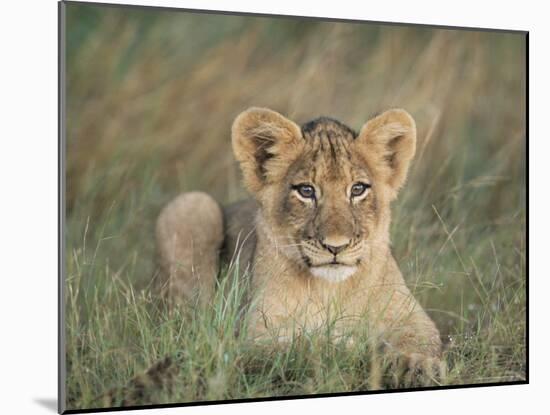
315, 238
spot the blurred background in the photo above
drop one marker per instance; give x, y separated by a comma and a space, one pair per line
158, 90
151, 95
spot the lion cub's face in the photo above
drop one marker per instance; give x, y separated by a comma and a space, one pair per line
324, 190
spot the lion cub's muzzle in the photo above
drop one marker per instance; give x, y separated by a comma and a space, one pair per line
333, 259
335, 246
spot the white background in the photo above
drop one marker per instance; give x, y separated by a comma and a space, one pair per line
28, 222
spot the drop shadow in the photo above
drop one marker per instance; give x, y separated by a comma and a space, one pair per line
48, 403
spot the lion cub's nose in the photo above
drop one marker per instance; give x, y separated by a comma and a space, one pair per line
335, 244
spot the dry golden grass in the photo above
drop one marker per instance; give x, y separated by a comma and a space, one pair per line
138, 94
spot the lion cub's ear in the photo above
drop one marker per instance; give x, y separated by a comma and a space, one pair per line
265, 143
388, 143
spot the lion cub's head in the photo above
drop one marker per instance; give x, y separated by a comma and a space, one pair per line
324, 190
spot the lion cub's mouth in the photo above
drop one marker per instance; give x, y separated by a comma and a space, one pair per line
333, 272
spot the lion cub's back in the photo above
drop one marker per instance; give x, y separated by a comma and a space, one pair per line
239, 221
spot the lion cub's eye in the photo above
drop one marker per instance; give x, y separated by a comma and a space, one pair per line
305, 190
358, 189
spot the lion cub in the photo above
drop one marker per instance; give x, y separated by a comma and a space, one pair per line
316, 234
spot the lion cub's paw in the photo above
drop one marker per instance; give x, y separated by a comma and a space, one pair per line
417, 370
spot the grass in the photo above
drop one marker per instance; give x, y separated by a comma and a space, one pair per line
151, 98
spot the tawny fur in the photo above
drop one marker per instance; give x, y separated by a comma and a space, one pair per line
292, 288
189, 235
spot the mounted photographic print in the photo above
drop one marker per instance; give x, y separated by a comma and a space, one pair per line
260, 207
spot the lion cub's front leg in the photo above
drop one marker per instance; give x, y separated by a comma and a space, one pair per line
410, 339
415, 353
189, 235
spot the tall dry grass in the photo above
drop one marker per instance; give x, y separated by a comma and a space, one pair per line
151, 98
169, 90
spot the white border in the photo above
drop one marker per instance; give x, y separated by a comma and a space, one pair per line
28, 231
